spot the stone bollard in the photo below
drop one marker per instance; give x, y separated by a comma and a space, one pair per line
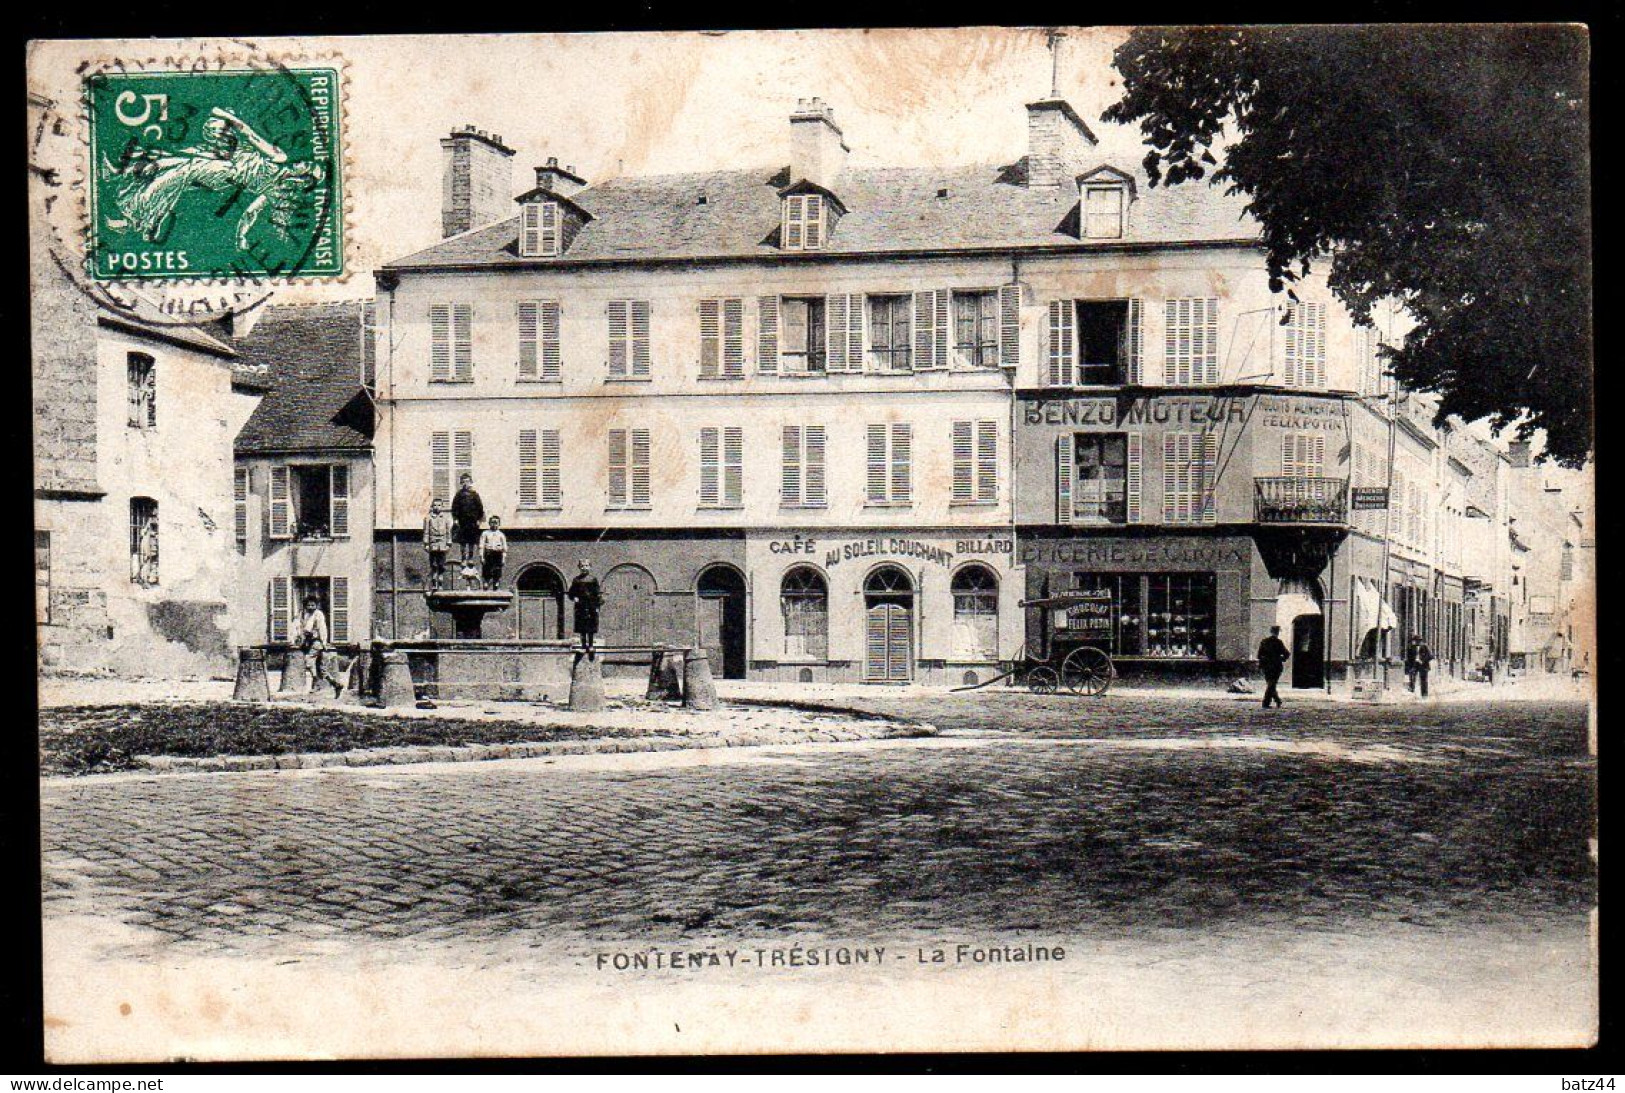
295, 676
699, 691
586, 684
252, 686
355, 683
395, 687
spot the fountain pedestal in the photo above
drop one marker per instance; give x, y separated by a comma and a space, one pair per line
468, 607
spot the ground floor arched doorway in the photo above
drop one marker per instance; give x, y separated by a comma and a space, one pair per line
888, 601
539, 603
1303, 623
724, 618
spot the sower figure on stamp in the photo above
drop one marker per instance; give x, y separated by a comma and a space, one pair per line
319, 655
468, 514
437, 541
1272, 657
588, 597
1418, 660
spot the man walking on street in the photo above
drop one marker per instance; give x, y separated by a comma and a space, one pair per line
1418, 659
1272, 657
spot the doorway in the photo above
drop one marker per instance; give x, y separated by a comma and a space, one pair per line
1308, 652
888, 600
723, 618
541, 603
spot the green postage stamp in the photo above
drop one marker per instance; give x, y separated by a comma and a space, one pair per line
223, 174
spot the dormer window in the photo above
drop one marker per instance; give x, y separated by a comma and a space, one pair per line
1104, 195
804, 222
540, 234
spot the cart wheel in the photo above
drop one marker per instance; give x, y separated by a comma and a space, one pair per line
1043, 681
1087, 671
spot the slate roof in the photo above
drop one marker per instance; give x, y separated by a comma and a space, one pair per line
192, 335
313, 356
888, 210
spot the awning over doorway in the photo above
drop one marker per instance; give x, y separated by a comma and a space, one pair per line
1295, 598
1367, 600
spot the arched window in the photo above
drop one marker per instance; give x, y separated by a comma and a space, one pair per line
976, 613
804, 600
888, 580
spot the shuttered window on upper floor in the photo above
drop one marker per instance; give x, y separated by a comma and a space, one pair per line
804, 223
1304, 346
451, 338
975, 462
890, 464
629, 472
539, 354
802, 481
629, 351
1191, 341
722, 467
539, 483
722, 338
1188, 463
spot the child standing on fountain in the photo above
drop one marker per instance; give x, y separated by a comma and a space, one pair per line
493, 550
468, 513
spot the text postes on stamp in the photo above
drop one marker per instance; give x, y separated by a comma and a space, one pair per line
215, 174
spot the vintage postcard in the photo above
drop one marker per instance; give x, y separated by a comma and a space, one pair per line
971, 539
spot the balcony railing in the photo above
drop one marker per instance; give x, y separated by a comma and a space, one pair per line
1301, 500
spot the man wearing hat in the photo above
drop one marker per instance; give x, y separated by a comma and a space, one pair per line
1272, 657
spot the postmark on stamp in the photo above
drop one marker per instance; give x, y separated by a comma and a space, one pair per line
225, 174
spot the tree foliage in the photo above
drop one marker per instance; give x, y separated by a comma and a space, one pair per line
1445, 168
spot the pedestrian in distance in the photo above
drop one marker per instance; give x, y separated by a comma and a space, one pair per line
468, 514
587, 597
1418, 660
437, 541
319, 654
1272, 658
493, 551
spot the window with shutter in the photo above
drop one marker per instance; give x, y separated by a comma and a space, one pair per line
531, 340
835, 312
552, 358
529, 469
339, 500
976, 329
281, 504
1305, 346
964, 478
733, 338
1191, 343
462, 331
795, 219
891, 334
876, 481
551, 235
1103, 212
975, 462
940, 327
767, 334
710, 339
640, 339
790, 478
619, 349
902, 462
925, 331
733, 466
1134, 347
278, 595
814, 235
1010, 326
1186, 469
987, 461
440, 343
804, 343
890, 463
462, 453
1064, 468
530, 230
551, 488
617, 468
812, 494
710, 467
338, 623
1208, 455
239, 496
1133, 464
1059, 351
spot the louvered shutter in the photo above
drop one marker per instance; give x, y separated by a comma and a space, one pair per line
530, 234
733, 466
618, 348
339, 600
944, 327
1009, 326
552, 494
794, 214
815, 221
338, 494
1065, 462
1291, 458
1134, 342
529, 323
529, 469
277, 610
369, 344
767, 334
924, 331
964, 485
239, 502
462, 453
987, 461
835, 332
640, 339
641, 494
550, 236
1135, 459
440, 343
281, 504
902, 462
877, 476
899, 642
440, 462
733, 338
854, 332
1058, 347
1207, 342
1176, 349
462, 331
1209, 453
790, 480
551, 357
710, 338
813, 466
617, 468
1175, 471
1317, 316
710, 467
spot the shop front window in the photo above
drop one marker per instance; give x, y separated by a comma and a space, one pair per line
1162, 615
1113, 623
1180, 615
976, 613
804, 599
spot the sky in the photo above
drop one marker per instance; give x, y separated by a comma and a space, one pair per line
635, 104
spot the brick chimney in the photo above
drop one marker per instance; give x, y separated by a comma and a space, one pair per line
560, 180
818, 151
1057, 143
477, 182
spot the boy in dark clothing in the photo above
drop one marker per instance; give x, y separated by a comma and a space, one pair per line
1272, 657
467, 514
587, 597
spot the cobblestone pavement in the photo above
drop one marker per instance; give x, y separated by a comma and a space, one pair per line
1054, 815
